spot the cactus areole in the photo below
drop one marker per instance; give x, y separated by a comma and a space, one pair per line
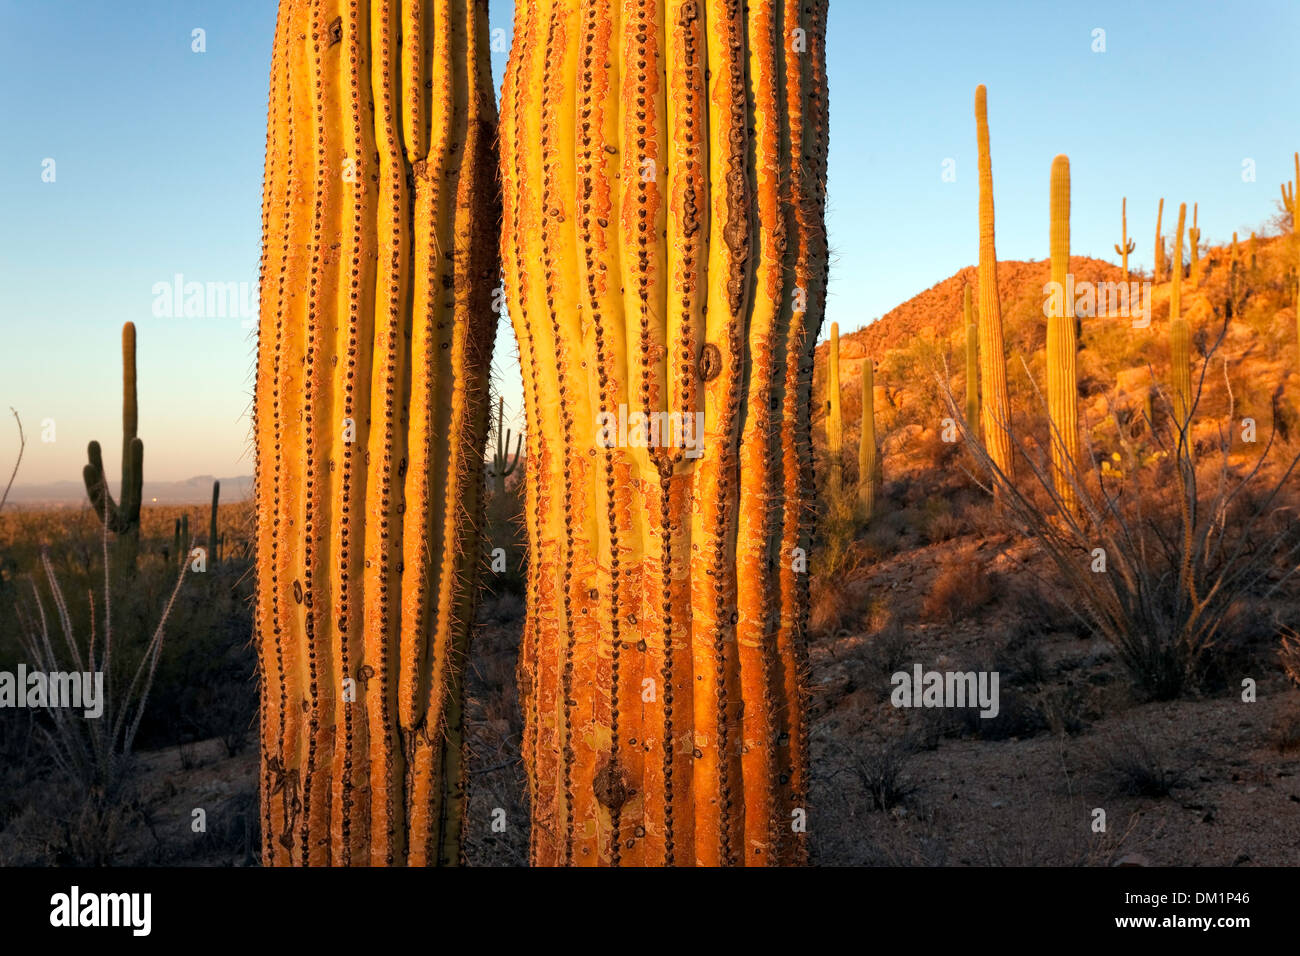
664, 248
380, 209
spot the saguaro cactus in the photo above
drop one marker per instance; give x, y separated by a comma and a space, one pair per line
1062, 346
1234, 267
1180, 351
1194, 249
1159, 275
503, 463
868, 455
214, 542
996, 407
834, 417
122, 516
972, 364
665, 258
1125, 244
379, 260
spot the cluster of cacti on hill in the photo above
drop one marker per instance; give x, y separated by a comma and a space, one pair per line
665, 251
1125, 245
380, 207
122, 517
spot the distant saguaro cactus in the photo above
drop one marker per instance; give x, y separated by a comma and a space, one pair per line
1295, 241
1159, 275
1234, 267
1194, 249
868, 454
122, 516
834, 417
379, 217
214, 542
972, 364
1125, 245
503, 463
1062, 346
996, 405
1180, 348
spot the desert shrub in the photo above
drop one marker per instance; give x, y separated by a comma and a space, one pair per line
881, 771
1138, 769
956, 593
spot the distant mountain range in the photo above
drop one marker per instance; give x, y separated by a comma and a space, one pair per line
190, 491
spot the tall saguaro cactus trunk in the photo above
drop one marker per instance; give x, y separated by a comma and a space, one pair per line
1180, 348
664, 169
995, 405
1062, 346
972, 364
1125, 245
869, 473
1159, 274
379, 261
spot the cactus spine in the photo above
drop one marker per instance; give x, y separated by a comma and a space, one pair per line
1125, 245
370, 412
1180, 352
665, 252
972, 365
123, 516
995, 416
834, 418
503, 463
1194, 247
1062, 345
1160, 245
868, 456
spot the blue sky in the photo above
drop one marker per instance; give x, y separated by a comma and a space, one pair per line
158, 163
